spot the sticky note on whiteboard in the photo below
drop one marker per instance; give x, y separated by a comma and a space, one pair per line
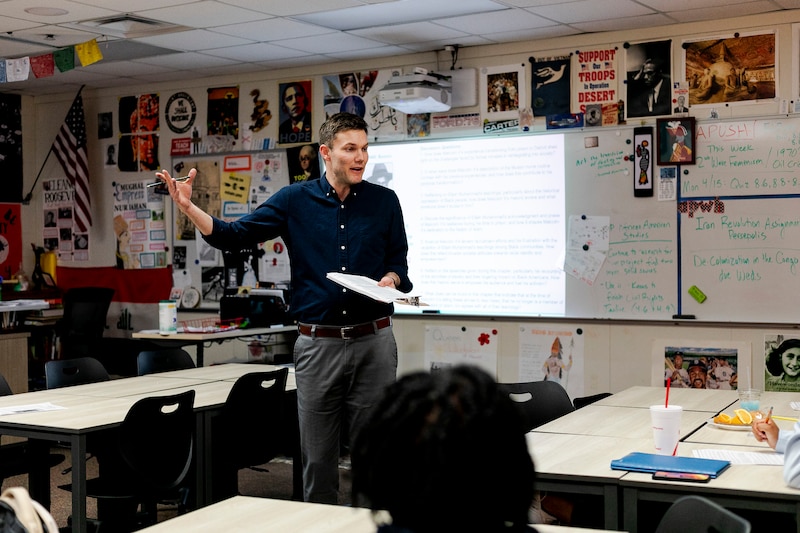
697, 294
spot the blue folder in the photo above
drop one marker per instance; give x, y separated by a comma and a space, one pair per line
650, 462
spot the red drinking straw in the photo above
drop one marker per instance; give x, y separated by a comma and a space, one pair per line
666, 400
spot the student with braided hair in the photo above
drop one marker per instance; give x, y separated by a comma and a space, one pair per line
444, 451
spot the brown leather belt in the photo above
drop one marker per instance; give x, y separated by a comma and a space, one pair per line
345, 332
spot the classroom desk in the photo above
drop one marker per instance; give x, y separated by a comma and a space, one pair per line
100, 406
246, 513
610, 421
572, 454
579, 464
752, 487
199, 339
690, 399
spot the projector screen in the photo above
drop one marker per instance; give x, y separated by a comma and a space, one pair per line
485, 219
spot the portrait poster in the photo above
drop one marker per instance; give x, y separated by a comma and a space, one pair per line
595, 74
721, 365
729, 69
138, 127
357, 92
782, 363
550, 85
304, 162
675, 137
648, 70
223, 111
502, 91
295, 112
11, 147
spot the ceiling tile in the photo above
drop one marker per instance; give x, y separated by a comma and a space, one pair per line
282, 8
625, 23
591, 10
330, 42
188, 60
204, 14
75, 11
507, 20
256, 52
716, 13
274, 29
194, 40
415, 32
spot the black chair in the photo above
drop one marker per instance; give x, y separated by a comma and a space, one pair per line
150, 456
153, 361
18, 458
84, 321
68, 372
583, 401
249, 430
695, 514
540, 401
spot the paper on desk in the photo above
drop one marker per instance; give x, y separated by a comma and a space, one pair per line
30, 408
767, 457
369, 287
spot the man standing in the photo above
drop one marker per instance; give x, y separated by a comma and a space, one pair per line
346, 351
297, 126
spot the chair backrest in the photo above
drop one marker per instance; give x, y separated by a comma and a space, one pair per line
85, 310
695, 514
540, 401
152, 361
156, 440
5, 388
251, 418
583, 401
78, 371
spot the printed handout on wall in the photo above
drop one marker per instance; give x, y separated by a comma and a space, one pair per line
552, 353
58, 233
447, 346
139, 226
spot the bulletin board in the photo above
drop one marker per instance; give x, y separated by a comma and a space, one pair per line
227, 186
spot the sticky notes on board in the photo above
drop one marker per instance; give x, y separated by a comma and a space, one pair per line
697, 294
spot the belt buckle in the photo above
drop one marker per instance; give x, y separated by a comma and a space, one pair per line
346, 332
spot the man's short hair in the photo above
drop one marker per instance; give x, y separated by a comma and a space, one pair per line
340, 122
697, 362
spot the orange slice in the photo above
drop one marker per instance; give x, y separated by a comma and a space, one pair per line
723, 418
744, 416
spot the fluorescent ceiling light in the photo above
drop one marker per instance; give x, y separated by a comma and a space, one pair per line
399, 12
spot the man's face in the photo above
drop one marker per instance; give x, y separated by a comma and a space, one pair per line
697, 377
295, 102
347, 158
651, 74
678, 361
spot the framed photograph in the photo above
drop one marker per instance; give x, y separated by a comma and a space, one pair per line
675, 141
696, 364
502, 92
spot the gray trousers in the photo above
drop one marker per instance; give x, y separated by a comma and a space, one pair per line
337, 380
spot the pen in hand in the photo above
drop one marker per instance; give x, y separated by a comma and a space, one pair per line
769, 414
157, 183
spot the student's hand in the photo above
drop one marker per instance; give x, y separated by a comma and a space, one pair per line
179, 191
766, 430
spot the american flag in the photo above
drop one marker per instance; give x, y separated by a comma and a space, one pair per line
70, 149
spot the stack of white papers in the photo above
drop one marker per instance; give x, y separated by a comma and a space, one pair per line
369, 287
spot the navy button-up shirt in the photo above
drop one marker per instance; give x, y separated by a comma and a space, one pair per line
364, 235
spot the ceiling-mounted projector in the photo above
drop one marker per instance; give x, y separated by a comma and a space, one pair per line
421, 92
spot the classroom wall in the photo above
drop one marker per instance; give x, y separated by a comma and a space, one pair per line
617, 353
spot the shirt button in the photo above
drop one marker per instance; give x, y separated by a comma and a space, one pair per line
344, 268
341, 227
342, 247
344, 312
